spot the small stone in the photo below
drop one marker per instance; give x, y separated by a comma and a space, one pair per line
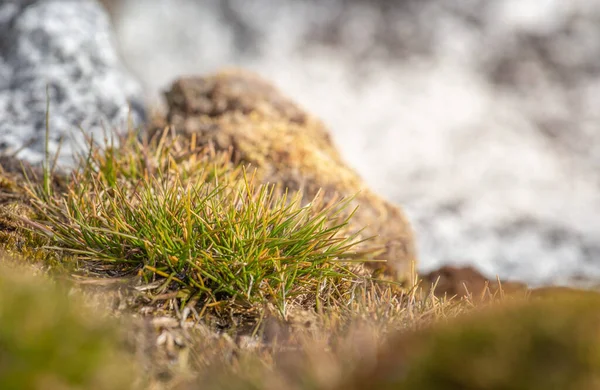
450, 281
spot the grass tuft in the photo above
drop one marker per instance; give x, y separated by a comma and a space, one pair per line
188, 222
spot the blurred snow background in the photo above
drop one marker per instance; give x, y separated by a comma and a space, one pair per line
479, 117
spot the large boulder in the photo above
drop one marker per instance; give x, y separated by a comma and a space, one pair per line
60, 52
237, 110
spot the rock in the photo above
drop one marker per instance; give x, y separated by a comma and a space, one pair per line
238, 110
450, 281
68, 47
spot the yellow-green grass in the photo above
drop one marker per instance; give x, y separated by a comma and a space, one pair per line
192, 225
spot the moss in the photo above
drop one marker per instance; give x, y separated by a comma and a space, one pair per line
49, 342
551, 343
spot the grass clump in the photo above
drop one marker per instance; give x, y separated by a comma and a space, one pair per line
198, 228
47, 341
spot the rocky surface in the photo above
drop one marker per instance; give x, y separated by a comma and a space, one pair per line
238, 110
66, 47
